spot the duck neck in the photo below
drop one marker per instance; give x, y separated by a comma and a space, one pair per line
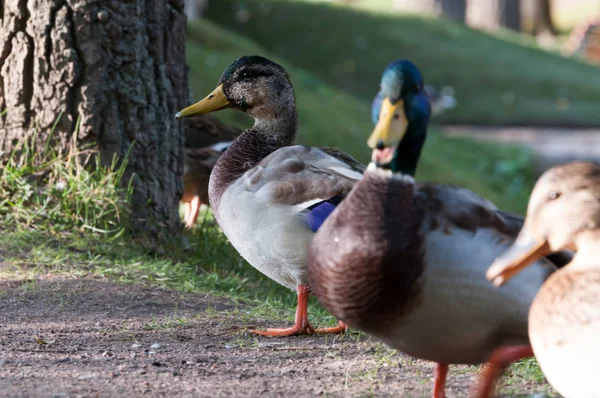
587, 252
277, 127
269, 133
408, 153
409, 150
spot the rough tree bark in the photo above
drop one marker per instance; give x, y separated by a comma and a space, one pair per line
451, 9
117, 66
494, 14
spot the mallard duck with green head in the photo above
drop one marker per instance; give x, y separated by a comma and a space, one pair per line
268, 195
564, 320
401, 113
405, 261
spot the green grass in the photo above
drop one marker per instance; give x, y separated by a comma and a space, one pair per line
41, 189
205, 263
499, 79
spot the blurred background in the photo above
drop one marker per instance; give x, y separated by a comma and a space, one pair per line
517, 72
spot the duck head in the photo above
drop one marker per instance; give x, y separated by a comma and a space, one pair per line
251, 84
401, 112
563, 212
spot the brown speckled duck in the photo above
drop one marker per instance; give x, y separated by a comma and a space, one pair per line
268, 195
206, 139
406, 261
564, 321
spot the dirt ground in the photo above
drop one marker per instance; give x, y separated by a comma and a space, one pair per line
90, 337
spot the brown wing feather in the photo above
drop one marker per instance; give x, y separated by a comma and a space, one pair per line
448, 205
344, 157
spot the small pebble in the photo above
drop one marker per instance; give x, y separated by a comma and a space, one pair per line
155, 346
151, 352
136, 346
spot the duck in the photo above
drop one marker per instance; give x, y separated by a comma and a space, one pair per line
267, 194
564, 320
206, 139
401, 102
406, 261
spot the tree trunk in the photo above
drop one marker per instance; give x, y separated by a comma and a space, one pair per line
114, 73
543, 23
455, 10
494, 14
451, 9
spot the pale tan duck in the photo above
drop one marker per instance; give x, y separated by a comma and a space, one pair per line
564, 321
206, 138
267, 194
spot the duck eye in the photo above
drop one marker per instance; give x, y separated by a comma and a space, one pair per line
245, 75
396, 116
553, 195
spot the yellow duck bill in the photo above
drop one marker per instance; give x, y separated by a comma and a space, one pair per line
392, 124
215, 101
524, 251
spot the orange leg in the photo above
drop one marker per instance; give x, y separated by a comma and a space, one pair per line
301, 324
340, 328
500, 360
192, 214
439, 387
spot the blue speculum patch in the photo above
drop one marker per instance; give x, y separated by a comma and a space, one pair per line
318, 213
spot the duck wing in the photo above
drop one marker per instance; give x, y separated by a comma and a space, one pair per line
311, 180
449, 205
